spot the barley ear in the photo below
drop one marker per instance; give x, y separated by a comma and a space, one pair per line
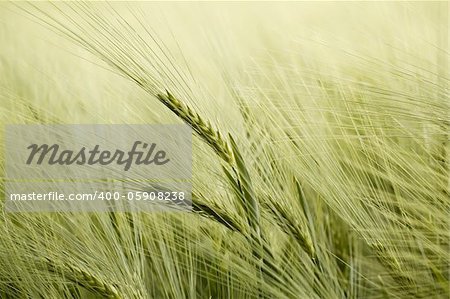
200, 126
307, 241
215, 213
84, 279
248, 199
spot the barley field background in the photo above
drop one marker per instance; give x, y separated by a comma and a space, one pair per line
320, 148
